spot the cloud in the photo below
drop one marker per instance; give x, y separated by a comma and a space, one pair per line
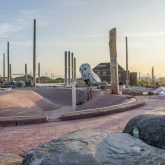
156, 1
145, 34
83, 36
28, 12
19, 22
74, 2
26, 43
4, 29
70, 44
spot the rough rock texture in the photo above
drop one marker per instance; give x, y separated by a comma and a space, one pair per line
135, 91
10, 159
91, 147
151, 129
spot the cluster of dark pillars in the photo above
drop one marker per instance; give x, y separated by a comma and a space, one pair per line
8, 65
70, 68
9, 69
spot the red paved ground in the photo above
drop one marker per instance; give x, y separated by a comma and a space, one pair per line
20, 139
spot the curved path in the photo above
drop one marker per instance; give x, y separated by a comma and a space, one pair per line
20, 139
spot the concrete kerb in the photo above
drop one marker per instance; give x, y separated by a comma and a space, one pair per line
130, 105
22, 120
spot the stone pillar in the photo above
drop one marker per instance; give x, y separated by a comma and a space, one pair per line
139, 77
8, 63
69, 67
3, 67
74, 95
34, 52
25, 72
38, 72
65, 68
153, 76
74, 69
127, 76
72, 65
10, 73
113, 62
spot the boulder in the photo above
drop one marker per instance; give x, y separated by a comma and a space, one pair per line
10, 159
150, 128
91, 147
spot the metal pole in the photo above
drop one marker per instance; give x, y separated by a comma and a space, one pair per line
69, 67
3, 67
74, 69
38, 72
127, 77
25, 72
8, 63
34, 52
65, 68
10, 73
114, 63
72, 65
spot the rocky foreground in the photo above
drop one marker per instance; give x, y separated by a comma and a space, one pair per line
90, 147
141, 143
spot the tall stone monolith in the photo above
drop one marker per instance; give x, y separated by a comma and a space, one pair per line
39, 72
65, 68
4, 67
8, 63
25, 72
153, 79
74, 69
10, 72
113, 62
72, 66
69, 68
34, 52
127, 74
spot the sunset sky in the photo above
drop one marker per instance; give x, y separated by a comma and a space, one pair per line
82, 26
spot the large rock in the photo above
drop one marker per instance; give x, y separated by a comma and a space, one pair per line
90, 147
10, 159
149, 128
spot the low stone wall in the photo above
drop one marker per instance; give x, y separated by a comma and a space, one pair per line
22, 120
102, 111
83, 95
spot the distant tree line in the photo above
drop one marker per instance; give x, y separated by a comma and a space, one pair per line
43, 79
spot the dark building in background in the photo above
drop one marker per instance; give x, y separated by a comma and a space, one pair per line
133, 78
103, 71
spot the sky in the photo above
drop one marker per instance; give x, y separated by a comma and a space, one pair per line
82, 27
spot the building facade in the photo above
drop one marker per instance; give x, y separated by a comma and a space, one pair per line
103, 71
